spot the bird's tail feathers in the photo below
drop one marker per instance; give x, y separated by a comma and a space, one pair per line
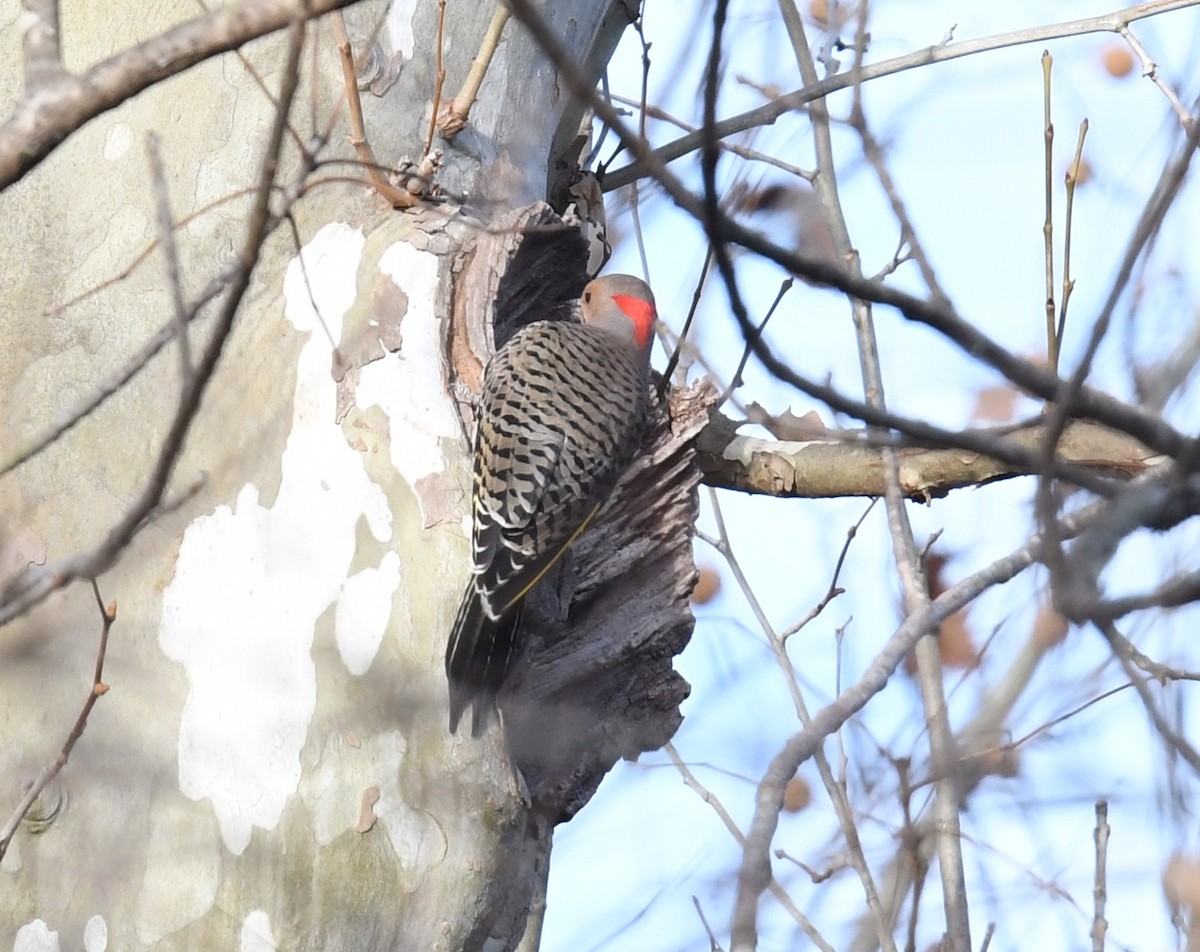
478, 656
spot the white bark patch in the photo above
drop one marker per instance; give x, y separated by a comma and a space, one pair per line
400, 26
256, 933
251, 582
363, 610
118, 141
95, 935
410, 385
36, 936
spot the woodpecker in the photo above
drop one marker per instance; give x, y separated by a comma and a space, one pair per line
560, 418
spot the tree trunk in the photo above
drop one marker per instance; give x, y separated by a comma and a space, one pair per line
270, 765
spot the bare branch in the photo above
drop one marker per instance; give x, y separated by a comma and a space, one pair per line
850, 462
1174, 740
1147, 427
756, 857
982, 748
777, 891
713, 944
399, 198
108, 614
1150, 71
1067, 401
648, 164
837, 791
905, 555
46, 115
753, 155
439, 80
453, 116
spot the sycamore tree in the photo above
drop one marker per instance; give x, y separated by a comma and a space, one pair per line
256, 260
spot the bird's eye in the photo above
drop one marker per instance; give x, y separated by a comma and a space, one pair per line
587, 297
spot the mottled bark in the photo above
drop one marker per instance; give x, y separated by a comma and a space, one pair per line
270, 762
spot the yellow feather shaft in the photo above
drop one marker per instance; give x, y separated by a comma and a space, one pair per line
554, 561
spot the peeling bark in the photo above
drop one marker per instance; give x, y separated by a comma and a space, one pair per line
271, 762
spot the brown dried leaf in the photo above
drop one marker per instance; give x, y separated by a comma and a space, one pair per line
796, 795
1049, 628
958, 649
955, 643
708, 585
1181, 883
995, 404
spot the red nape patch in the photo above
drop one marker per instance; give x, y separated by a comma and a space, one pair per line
641, 313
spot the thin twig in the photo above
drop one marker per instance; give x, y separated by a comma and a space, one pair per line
775, 888
453, 117
635, 211
257, 79
1062, 718
833, 591
1067, 402
736, 381
108, 615
1173, 739
910, 244
1159, 672
713, 944
1150, 71
140, 359
874, 154
1068, 282
440, 79
1048, 224
398, 197
1150, 428
166, 228
1100, 889
750, 155
648, 162
677, 352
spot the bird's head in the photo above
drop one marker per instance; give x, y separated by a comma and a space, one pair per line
623, 305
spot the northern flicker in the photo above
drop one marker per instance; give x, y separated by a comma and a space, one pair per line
560, 418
